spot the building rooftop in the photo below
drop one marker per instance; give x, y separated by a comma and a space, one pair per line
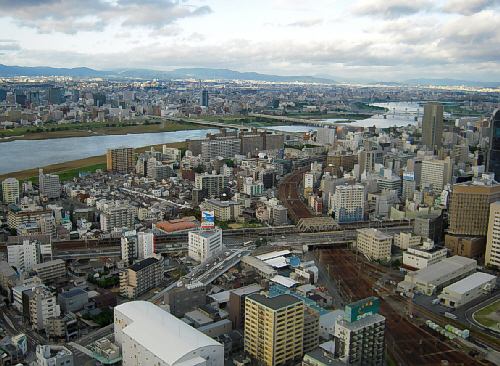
72, 293
440, 269
142, 264
250, 289
285, 281
374, 233
469, 283
55, 262
6, 270
277, 302
149, 324
271, 255
361, 323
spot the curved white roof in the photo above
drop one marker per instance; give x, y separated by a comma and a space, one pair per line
167, 337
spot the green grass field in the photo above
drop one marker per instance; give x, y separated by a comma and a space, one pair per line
488, 316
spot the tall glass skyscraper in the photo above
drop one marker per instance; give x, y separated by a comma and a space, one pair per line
432, 127
493, 162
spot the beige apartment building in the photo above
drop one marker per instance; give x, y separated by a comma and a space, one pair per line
141, 277
51, 270
120, 159
493, 239
274, 328
470, 206
374, 244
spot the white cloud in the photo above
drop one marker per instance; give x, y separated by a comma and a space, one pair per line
306, 22
468, 7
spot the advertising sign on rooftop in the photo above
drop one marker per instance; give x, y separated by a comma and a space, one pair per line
361, 309
207, 219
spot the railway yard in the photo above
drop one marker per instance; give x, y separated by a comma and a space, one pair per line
408, 341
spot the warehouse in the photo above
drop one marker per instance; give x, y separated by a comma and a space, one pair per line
468, 289
431, 279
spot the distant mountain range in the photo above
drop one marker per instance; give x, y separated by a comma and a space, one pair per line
224, 74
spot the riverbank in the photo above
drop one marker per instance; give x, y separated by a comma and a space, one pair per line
91, 129
71, 168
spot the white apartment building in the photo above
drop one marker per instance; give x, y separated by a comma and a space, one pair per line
42, 305
493, 238
49, 184
129, 246
139, 326
374, 244
53, 355
120, 216
225, 148
406, 240
172, 153
348, 203
10, 190
145, 245
437, 172
223, 210
326, 135
204, 244
253, 188
424, 255
26, 255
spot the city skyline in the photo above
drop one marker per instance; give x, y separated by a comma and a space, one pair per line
391, 40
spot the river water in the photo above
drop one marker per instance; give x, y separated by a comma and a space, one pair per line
28, 154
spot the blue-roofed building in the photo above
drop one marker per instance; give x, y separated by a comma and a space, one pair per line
276, 290
73, 300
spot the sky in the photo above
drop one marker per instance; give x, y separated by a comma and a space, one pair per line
383, 40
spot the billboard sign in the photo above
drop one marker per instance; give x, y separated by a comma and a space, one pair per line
207, 219
361, 309
408, 175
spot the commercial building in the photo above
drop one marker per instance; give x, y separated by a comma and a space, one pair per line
141, 277
361, 334
10, 190
432, 126
406, 240
437, 172
368, 159
204, 244
338, 164
53, 355
49, 184
424, 255
223, 210
470, 206
51, 270
120, 159
348, 202
466, 246
374, 244
215, 184
182, 299
468, 289
72, 300
274, 328
493, 238
433, 278
429, 227
148, 335
237, 304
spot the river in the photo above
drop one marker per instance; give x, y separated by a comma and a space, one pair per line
28, 154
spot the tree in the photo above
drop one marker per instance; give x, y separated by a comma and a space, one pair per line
13, 232
198, 170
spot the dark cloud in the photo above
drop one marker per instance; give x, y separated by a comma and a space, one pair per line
72, 16
390, 9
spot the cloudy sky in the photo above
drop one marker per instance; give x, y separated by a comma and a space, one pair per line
390, 40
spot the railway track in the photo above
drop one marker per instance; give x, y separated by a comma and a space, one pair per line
406, 343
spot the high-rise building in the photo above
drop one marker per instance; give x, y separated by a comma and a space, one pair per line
493, 161
348, 202
215, 184
437, 172
368, 159
374, 244
493, 239
54, 95
119, 216
470, 206
99, 99
226, 148
10, 190
49, 184
430, 227
120, 159
274, 328
326, 135
129, 247
432, 126
361, 334
42, 305
28, 254
204, 244
204, 98
237, 304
